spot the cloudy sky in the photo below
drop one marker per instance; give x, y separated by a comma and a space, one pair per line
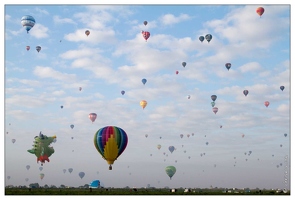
242, 145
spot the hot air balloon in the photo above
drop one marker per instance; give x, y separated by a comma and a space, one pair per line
243, 135
143, 104
260, 11
80, 88
144, 81
40, 168
13, 141
159, 146
228, 66
146, 135
177, 72
188, 135
27, 48
266, 103
145, 35
26, 179
212, 104
193, 134
282, 88
245, 92
208, 37
70, 170
28, 167
170, 171
42, 176
87, 32
94, 184
207, 143
183, 64
38, 48
8, 177
201, 38
181, 135
110, 142
213, 97
285, 134
122, 92
188, 96
28, 22
61, 107
41, 148
215, 110
92, 116
145, 23
64, 170
171, 148
72, 126
81, 174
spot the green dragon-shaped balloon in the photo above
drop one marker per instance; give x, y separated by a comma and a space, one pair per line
41, 147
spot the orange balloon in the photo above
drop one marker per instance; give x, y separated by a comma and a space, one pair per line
143, 104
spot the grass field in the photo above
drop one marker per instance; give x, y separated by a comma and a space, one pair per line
124, 191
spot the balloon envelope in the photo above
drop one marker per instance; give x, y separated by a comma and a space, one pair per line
110, 142
144, 81
170, 171
81, 174
183, 64
122, 92
282, 88
266, 103
94, 184
28, 22
72, 126
27, 48
213, 97
92, 116
228, 66
201, 38
145, 23
245, 92
215, 110
208, 37
38, 48
70, 170
143, 104
260, 11
28, 167
145, 35
87, 32
42, 176
171, 148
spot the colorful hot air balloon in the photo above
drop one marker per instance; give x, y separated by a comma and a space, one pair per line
92, 116
72, 126
145, 35
38, 48
28, 48
245, 92
208, 37
282, 87
143, 104
171, 148
212, 104
213, 97
170, 171
260, 11
87, 32
110, 142
183, 64
215, 110
159, 146
201, 38
144, 81
122, 92
81, 174
42, 176
28, 22
228, 66
145, 23
177, 72
70, 170
266, 103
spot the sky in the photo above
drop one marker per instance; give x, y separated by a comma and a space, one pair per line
243, 145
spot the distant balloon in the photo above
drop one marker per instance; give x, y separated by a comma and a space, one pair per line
159, 146
245, 92
207, 143
228, 66
40, 168
212, 104
64, 170
243, 135
92, 116
110, 142
28, 22
282, 88
143, 104
145, 35
26, 179
170, 171
188, 96
42, 176
281, 145
183, 64
188, 135
8, 177
28, 167
70, 170
193, 134
260, 11
80, 88
144, 81
220, 126
72, 126
145, 23
201, 38
213, 97
176, 72
61, 107
171, 148
87, 32
27, 48
81, 174
266, 103
38, 48
122, 92
208, 37
146, 135
285, 134
215, 110
13, 140
181, 135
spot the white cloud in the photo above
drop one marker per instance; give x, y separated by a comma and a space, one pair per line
59, 20
250, 67
169, 19
39, 31
48, 72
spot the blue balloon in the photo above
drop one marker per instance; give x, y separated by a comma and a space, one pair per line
94, 184
28, 22
144, 81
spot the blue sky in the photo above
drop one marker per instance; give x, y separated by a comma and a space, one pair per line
115, 57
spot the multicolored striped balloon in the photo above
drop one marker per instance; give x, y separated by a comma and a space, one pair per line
110, 142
